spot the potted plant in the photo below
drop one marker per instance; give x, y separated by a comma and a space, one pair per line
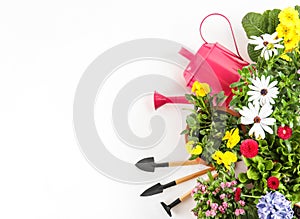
260, 127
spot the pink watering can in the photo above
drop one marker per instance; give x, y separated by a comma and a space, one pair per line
213, 64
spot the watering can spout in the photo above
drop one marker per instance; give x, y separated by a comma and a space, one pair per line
160, 100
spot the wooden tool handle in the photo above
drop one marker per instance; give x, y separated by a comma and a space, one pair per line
187, 163
186, 196
194, 175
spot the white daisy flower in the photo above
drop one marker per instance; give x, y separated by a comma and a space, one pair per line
268, 43
262, 92
258, 117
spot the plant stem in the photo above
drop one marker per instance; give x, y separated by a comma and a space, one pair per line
250, 196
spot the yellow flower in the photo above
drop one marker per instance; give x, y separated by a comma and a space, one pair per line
297, 27
193, 149
233, 137
286, 30
229, 158
291, 43
218, 155
285, 57
200, 89
288, 15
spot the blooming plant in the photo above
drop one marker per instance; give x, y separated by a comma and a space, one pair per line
220, 198
260, 128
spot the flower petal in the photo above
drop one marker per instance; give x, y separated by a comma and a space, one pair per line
265, 111
272, 84
268, 121
246, 120
254, 88
267, 128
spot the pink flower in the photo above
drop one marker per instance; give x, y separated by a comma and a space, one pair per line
213, 213
217, 190
228, 184
234, 183
222, 196
242, 203
221, 209
237, 212
225, 205
214, 206
208, 202
207, 213
242, 211
222, 185
194, 191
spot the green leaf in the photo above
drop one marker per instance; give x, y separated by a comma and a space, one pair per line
189, 98
191, 121
277, 167
210, 176
253, 54
257, 159
297, 7
184, 132
247, 161
261, 167
296, 187
243, 177
252, 174
254, 24
237, 84
269, 165
273, 20
193, 157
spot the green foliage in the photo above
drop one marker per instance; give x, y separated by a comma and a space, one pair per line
206, 124
276, 157
256, 24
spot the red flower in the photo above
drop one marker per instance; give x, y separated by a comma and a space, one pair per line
237, 195
273, 182
249, 148
284, 132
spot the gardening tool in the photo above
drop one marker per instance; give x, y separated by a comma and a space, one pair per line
158, 188
174, 203
178, 200
160, 100
148, 164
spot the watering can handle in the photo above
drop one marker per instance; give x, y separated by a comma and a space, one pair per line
200, 30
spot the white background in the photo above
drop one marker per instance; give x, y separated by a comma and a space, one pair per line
45, 46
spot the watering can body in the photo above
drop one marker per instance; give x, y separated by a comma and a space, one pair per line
215, 65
